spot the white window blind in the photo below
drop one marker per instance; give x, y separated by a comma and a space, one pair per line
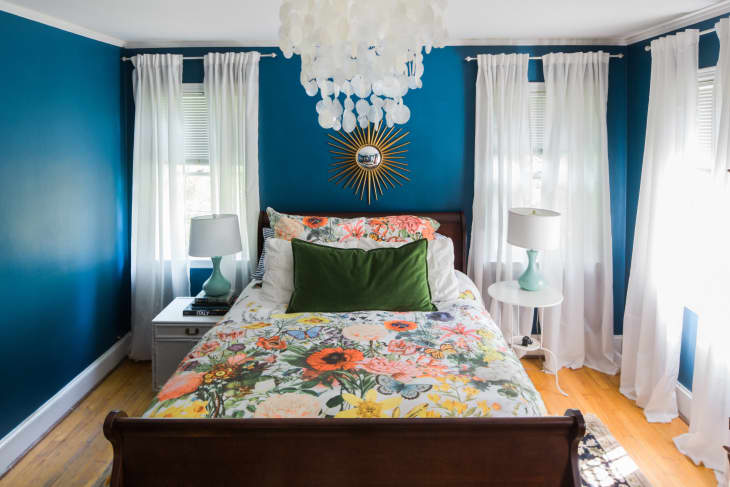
536, 105
705, 116
195, 112
536, 109
197, 168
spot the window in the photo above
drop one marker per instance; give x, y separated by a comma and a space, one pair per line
536, 107
705, 117
197, 167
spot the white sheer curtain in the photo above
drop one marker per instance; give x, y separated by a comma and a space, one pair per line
710, 226
656, 293
502, 174
159, 257
232, 88
575, 183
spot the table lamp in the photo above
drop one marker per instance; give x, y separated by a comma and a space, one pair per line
215, 236
533, 229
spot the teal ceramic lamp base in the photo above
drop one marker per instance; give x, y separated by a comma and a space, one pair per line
216, 285
531, 279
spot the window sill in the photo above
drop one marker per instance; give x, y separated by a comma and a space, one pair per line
197, 263
201, 264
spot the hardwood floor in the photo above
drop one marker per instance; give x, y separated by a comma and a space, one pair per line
75, 453
648, 444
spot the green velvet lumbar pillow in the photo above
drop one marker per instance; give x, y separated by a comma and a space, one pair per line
329, 279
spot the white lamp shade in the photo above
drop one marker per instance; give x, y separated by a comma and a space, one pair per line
534, 228
214, 235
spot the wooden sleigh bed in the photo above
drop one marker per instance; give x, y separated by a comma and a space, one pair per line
520, 451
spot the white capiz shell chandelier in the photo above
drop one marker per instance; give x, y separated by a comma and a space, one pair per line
370, 50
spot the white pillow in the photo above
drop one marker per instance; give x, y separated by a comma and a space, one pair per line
441, 273
278, 283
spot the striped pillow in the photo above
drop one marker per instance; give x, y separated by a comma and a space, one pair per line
258, 274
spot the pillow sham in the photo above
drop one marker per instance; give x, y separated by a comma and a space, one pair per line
330, 279
441, 273
396, 228
278, 282
258, 274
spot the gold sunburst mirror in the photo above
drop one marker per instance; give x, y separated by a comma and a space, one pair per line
369, 160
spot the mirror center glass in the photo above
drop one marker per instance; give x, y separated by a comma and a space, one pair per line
368, 157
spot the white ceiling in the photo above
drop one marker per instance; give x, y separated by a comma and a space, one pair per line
256, 22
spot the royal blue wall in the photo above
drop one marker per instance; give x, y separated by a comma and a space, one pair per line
294, 158
687, 350
639, 77
65, 173
64, 197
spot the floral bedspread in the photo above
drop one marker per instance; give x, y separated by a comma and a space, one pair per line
260, 362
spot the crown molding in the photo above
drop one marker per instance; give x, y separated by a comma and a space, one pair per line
177, 44
709, 12
42, 18
537, 42
450, 42
659, 29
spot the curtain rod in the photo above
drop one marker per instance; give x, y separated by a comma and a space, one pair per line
702, 33
538, 58
186, 58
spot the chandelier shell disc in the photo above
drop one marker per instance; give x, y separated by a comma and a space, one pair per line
362, 58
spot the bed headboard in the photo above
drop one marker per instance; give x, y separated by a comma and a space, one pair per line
452, 226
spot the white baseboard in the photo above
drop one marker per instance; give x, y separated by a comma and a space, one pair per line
684, 402
24, 436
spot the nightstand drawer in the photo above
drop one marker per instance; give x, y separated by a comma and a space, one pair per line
173, 336
166, 357
188, 331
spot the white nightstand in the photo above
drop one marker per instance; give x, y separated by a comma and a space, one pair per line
173, 336
509, 292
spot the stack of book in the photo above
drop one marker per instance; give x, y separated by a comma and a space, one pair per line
204, 305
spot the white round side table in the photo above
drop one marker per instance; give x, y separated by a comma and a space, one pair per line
509, 292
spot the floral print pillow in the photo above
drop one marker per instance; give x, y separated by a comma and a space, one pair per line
397, 228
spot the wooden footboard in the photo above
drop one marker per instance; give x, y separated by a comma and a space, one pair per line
346, 452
